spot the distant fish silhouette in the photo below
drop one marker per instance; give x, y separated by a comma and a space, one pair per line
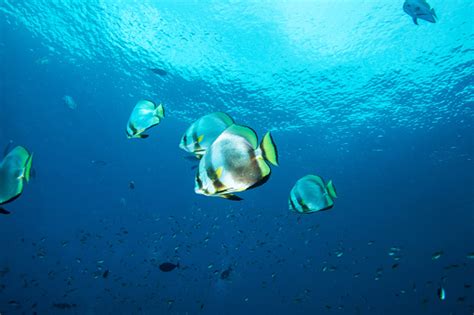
419, 9
167, 267
159, 71
99, 162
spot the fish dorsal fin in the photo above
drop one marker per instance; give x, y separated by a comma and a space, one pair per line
224, 117
245, 132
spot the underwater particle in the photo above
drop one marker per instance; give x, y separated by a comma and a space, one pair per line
131, 185
419, 9
167, 266
234, 163
441, 294
203, 132
370, 243
144, 116
246, 299
210, 266
4, 211
15, 170
64, 306
42, 60
99, 162
436, 255
69, 102
311, 194
159, 71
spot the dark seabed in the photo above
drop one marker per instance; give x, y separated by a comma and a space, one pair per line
352, 91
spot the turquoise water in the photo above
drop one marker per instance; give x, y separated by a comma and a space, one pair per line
353, 91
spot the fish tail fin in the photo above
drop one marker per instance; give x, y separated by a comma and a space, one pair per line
160, 111
28, 168
331, 189
269, 150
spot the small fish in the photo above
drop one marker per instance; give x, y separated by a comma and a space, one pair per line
131, 185
159, 71
144, 116
105, 274
15, 170
69, 102
226, 273
470, 255
436, 255
419, 9
4, 211
99, 162
441, 294
310, 194
167, 267
395, 265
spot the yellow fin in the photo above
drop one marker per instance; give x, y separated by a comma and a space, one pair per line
219, 172
199, 139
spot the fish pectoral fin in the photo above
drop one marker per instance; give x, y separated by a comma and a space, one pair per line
199, 139
4, 211
231, 197
415, 20
142, 136
219, 172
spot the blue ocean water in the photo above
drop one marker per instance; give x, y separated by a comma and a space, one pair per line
353, 91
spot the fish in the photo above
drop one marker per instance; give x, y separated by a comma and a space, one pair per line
144, 116
419, 9
203, 132
167, 266
441, 294
436, 255
131, 185
15, 170
235, 163
310, 194
105, 274
69, 102
470, 255
159, 71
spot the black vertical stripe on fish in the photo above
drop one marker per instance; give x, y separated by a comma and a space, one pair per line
132, 127
212, 174
293, 204
301, 202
